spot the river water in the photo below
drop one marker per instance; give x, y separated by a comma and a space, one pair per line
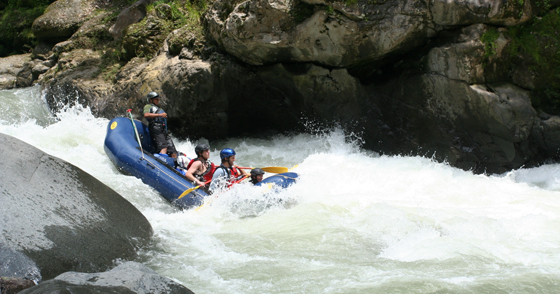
356, 222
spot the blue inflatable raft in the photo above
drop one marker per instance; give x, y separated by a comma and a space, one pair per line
121, 145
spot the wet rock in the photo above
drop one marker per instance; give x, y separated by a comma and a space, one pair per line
130, 277
60, 217
15, 264
25, 76
14, 285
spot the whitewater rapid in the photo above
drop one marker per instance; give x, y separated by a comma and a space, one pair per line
356, 222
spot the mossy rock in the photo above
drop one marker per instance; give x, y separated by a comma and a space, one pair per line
184, 38
94, 33
143, 39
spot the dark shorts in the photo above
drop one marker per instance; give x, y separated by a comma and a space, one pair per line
162, 140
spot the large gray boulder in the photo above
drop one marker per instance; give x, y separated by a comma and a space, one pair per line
129, 277
60, 217
271, 31
62, 18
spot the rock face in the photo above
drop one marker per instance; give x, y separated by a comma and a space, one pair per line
10, 68
14, 285
411, 77
335, 34
264, 32
62, 18
16, 265
129, 277
494, 12
59, 217
128, 16
464, 120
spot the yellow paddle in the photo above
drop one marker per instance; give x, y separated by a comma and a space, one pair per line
271, 169
191, 189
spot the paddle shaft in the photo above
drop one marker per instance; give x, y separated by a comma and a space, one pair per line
135, 131
240, 180
271, 169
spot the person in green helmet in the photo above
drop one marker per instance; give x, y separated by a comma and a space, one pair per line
157, 124
257, 175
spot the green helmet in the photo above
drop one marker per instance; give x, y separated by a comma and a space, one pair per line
257, 171
152, 95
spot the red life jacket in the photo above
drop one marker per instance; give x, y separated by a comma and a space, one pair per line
234, 179
233, 174
207, 175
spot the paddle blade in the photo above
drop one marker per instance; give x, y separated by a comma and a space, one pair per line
275, 169
187, 192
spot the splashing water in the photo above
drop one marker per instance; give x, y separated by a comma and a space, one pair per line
356, 222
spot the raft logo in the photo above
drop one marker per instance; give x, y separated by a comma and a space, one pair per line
113, 125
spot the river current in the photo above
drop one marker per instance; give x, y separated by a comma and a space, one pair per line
356, 222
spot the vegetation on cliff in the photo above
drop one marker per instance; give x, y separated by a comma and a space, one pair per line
538, 43
143, 39
535, 46
16, 18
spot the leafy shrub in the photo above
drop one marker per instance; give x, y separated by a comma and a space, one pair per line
16, 19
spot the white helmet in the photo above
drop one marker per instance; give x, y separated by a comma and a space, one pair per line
183, 161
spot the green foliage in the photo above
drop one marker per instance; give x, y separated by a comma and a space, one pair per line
489, 39
182, 13
16, 19
545, 5
537, 44
143, 39
195, 11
